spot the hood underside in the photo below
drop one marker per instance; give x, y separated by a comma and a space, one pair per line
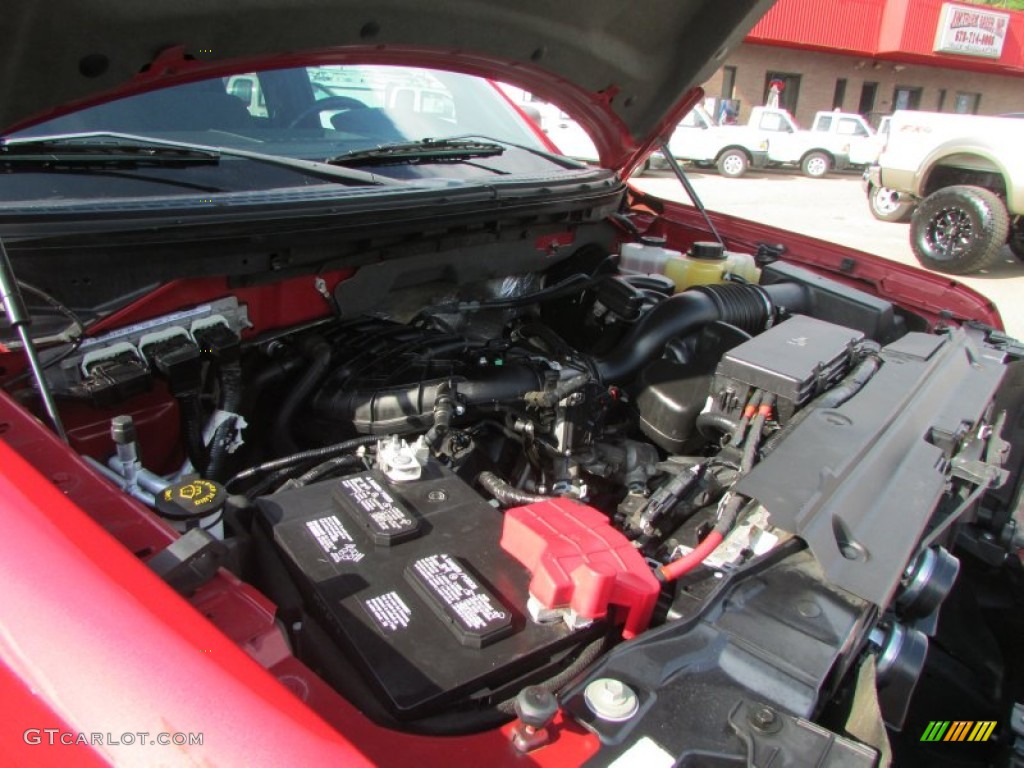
625, 71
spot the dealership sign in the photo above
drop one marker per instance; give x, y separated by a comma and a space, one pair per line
972, 32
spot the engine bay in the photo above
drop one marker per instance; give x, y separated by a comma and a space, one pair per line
722, 499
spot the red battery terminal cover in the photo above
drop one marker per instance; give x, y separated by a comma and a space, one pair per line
580, 564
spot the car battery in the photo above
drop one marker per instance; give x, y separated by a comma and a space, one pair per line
410, 582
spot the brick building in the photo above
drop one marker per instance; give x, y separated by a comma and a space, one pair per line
876, 56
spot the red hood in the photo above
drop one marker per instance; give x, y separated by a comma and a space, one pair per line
627, 76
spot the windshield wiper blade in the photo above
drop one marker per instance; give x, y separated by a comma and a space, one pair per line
92, 150
180, 152
425, 151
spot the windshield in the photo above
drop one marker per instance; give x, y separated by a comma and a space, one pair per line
323, 114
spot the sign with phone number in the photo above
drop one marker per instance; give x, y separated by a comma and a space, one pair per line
971, 32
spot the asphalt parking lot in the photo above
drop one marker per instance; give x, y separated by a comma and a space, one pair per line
834, 209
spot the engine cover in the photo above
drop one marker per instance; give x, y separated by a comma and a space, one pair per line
409, 581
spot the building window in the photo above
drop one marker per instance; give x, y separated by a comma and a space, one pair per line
868, 92
787, 87
728, 82
941, 103
906, 97
839, 96
966, 103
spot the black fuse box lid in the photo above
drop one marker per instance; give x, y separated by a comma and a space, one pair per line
794, 360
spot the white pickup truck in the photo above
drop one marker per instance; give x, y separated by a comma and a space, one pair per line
851, 132
815, 152
731, 149
771, 136
966, 173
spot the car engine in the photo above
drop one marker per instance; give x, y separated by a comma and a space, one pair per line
741, 504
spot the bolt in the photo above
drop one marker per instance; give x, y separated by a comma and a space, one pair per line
764, 718
611, 699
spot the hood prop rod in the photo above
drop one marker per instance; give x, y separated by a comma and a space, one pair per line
19, 318
677, 169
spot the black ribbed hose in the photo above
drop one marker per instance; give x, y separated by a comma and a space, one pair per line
507, 495
751, 308
851, 384
302, 457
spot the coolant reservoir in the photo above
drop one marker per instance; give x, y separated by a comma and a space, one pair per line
648, 256
706, 264
743, 265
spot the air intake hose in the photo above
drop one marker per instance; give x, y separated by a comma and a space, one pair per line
749, 307
410, 407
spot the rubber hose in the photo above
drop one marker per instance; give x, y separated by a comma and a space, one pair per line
273, 373
749, 307
444, 410
709, 422
851, 384
298, 458
192, 430
231, 388
551, 398
319, 353
326, 468
409, 408
506, 494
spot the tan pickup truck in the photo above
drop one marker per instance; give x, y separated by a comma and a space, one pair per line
967, 175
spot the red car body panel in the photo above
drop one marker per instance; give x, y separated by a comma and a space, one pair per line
72, 565
72, 557
148, 661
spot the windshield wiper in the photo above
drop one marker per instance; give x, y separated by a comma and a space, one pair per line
96, 153
425, 151
95, 148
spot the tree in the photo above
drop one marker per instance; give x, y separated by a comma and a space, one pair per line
1013, 5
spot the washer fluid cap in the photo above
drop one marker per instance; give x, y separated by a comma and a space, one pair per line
707, 251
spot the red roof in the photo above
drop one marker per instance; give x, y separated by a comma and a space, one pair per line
895, 30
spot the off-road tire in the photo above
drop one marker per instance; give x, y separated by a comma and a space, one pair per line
1016, 238
959, 230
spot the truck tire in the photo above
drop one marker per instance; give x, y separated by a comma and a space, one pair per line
816, 164
1016, 238
886, 205
733, 163
959, 230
